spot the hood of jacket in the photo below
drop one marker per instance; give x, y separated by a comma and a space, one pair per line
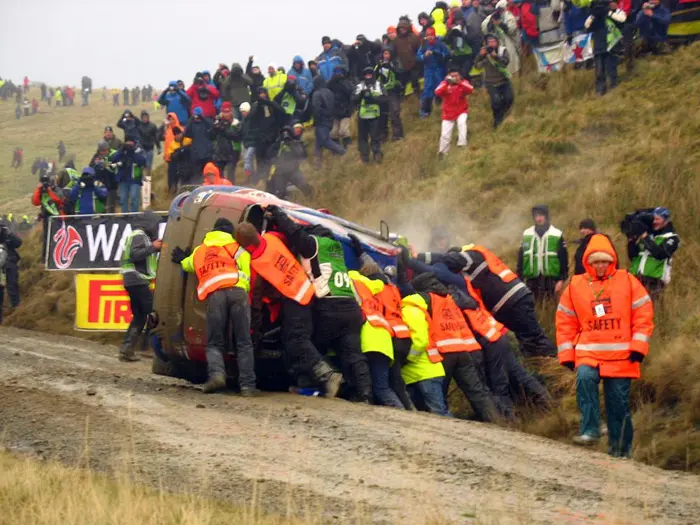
374, 285
599, 243
174, 121
236, 69
298, 59
319, 82
415, 300
438, 15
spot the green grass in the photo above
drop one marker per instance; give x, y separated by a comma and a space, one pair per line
585, 156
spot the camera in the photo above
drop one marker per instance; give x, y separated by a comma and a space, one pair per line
87, 180
637, 223
44, 181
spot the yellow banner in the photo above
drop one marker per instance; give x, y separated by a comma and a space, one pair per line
101, 302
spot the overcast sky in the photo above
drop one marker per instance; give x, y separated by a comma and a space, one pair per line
136, 42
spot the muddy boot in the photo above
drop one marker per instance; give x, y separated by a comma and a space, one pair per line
126, 351
247, 391
331, 379
214, 384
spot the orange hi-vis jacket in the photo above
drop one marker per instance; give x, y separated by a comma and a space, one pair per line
391, 301
371, 306
494, 264
449, 332
275, 263
216, 268
480, 320
600, 321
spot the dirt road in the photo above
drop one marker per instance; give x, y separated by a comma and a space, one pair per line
70, 399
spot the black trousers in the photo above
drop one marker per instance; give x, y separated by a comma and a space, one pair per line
402, 347
12, 283
520, 318
173, 176
496, 371
501, 101
278, 182
391, 114
465, 368
296, 331
369, 128
141, 305
605, 72
542, 288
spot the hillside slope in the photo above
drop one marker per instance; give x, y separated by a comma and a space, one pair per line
583, 155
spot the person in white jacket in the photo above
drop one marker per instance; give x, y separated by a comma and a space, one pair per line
503, 24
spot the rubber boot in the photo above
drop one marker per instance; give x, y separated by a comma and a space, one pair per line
126, 351
331, 379
214, 384
346, 142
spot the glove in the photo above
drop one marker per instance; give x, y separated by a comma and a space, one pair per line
356, 245
569, 365
455, 262
274, 214
179, 255
636, 357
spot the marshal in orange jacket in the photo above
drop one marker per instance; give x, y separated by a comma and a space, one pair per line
601, 321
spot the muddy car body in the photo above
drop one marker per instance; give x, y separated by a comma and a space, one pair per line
179, 318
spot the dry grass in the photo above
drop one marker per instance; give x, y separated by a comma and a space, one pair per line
583, 155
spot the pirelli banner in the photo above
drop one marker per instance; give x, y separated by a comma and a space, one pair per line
90, 242
101, 303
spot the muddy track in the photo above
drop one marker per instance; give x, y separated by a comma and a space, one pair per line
70, 399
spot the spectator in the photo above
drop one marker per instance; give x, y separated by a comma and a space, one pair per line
438, 15
313, 68
458, 42
203, 96
125, 96
236, 88
275, 81
323, 108
363, 54
61, 150
35, 106
473, 25
199, 130
130, 162
290, 152
246, 141
50, 199
253, 71
179, 165
653, 21
342, 90
263, 126
369, 94
175, 100
302, 74
453, 91
493, 59
226, 136
387, 74
212, 176
105, 173
529, 11
113, 142
425, 21
330, 58
89, 195
434, 55
9, 267
222, 73
407, 45
605, 24
150, 140
504, 25
130, 125
293, 101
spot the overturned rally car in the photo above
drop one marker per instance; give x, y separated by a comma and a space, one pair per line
178, 322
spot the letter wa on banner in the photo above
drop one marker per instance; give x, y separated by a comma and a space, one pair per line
552, 57
91, 242
101, 303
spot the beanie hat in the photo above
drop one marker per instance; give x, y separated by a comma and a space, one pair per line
662, 212
223, 225
600, 257
245, 106
430, 32
226, 106
102, 145
325, 40
390, 30
144, 113
108, 128
587, 224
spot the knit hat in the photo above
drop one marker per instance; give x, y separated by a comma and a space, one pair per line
662, 212
224, 225
325, 40
391, 30
108, 128
587, 224
226, 106
430, 32
600, 257
245, 106
144, 113
102, 145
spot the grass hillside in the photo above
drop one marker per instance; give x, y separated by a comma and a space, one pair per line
585, 156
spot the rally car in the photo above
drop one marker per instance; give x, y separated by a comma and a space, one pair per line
178, 322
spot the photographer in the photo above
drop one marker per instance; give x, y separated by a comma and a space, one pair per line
226, 137
199, 131
653, 21
493, 59
651, 251
130, 125
288, 152
9, 271
203, 96
106, 174
50, 198
453, 91
369, 94
130, 162
175, 100
387, 71
89, 195
605, 25
292, 100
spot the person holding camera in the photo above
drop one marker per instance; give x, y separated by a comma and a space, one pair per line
369, 95
433, 54
289, 151
226, 137
130, 125
453, 91
129, 161
50, 199
387, 71
89, 195
292, 100
652, 251
199, 131
105, 173
653, 21
175, 100
9, 269
493, 59
203, 96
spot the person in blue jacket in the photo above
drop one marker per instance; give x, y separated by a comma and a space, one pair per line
175, 100
89, 195
433, 53
303, 75
130, 161
653, 21
331, 58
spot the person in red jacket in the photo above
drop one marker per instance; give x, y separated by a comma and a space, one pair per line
529, 11
453, 91
203, 95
